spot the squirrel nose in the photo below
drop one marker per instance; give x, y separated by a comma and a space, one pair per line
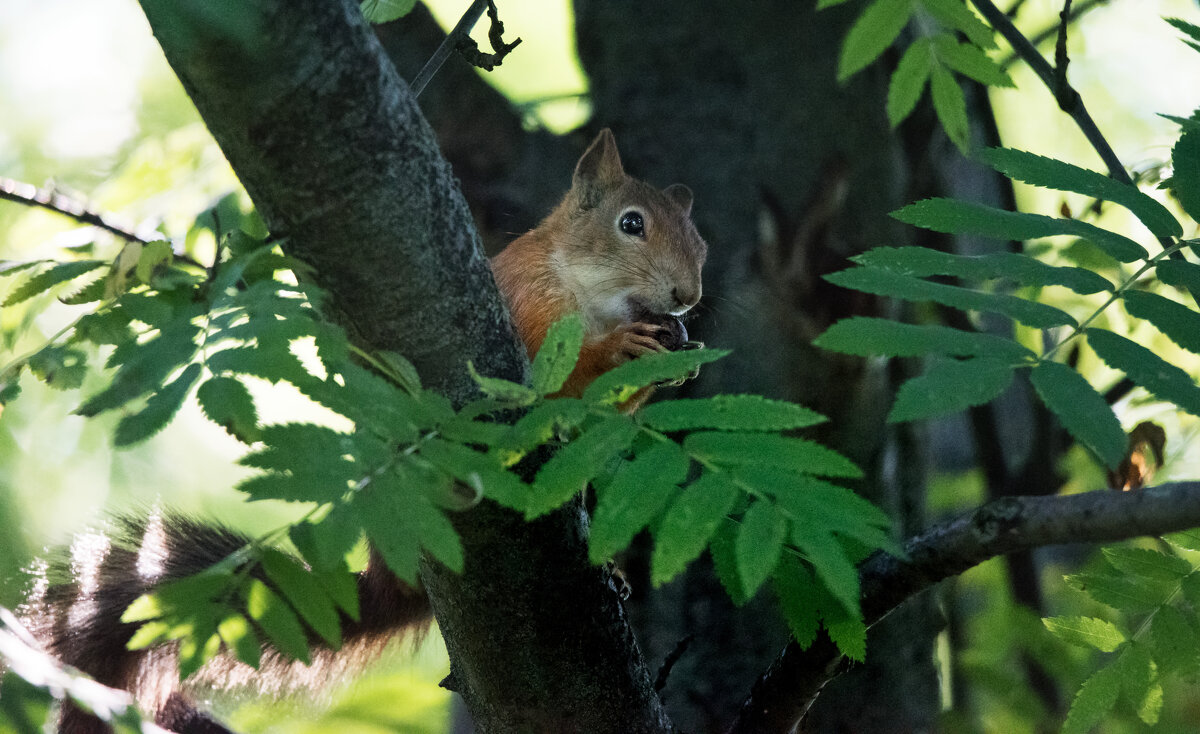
686, 298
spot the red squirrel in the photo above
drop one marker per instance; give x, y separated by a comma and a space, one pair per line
622, 253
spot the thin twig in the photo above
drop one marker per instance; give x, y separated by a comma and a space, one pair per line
1006, 525
1061, 59
461, 29
1037, 39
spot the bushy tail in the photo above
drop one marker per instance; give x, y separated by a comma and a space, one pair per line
77, 599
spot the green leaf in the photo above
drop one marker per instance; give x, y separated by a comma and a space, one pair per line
950, 386
876, 28
399, 517
970, 61
1086, 632
621, 383
728, 412
888, 283
785, 452
62, 368
1146, 563
922, 262
1184, 275
306, 448
1185, 181
637, 494
160, 409
1164, 380
503, 390
566, 473
153, 254
146, 368
384, 11
868, 336
798, 593
1174, 319
89, 293
1083, 411
1139, 683
306, 594
1186, 539
400, 371
1174, 641
481, 472
963, 217
822, 4
908, 81
557, 356
1050, 173
227, 402
1126, 593
277, 620
47, 279
830, 561
238, 635
951, 107
259, 362
200, 645
324, 544
759, 544
688, 524
722, 548
957, 15
1094, 702
848, 632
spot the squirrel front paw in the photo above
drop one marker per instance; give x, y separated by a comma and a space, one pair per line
638, 338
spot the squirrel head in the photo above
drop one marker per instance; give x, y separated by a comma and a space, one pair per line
631, 247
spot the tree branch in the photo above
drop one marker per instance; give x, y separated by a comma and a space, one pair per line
782, 696
333, 150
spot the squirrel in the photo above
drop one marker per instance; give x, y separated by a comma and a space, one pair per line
621, 253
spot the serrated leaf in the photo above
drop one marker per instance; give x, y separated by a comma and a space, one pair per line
400, 370
908, 81
306, 448
503, 390
785, 452
384, 11
306, 595
109, 326
1174, 641
963, 217
621, 383
970, 61
481, 472
400, 520
342, 588
1147, 563
47, 279
325, 544
950, 106
1184, 275
277, 620
239, 636
1185, 181
1081, 410
1119, 592
830, 562
1186, 539
822, 4
1139, 682
958, 15
227, 402
759, 544
270, 365
160, 409
540, 425
637, 494
896, 285
922, 262
1164, 380
557, 356
688, 524
1086, 632
1050, 173
722, 548
874, 30
90, 293
849, 633
294, 488
950, 386
728, 412
12, 267
153, 254
60, 367
868, 336
1094, 701
148, 365
798, 594
566, 473
1177, 321
199, 646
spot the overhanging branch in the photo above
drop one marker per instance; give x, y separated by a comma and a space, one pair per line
786, 691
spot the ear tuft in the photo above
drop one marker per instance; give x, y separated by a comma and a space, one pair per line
599, 169
681, 195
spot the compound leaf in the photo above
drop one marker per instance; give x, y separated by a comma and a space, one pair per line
637, 494
689, 523
876, 28
1083, 411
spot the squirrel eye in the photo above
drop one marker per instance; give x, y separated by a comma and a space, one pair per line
632, 224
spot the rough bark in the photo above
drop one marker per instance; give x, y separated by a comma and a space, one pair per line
337, 157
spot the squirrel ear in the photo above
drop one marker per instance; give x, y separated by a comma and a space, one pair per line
598, 169
681, 195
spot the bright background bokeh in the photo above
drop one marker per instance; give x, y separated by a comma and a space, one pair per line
88, 102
